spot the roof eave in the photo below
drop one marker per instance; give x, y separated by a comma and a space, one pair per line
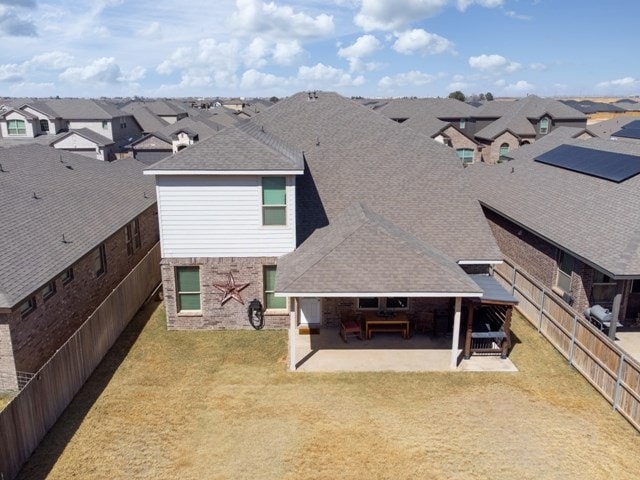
152, 171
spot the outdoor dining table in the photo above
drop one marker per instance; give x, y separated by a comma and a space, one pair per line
377, 323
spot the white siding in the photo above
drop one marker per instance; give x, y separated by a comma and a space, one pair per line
220, 216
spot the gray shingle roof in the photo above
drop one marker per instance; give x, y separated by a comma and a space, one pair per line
531, 106
433, 107
96, 138
87, 203
354, 154
605, 128
148, 121
361, 252
592, 218
83, 109
245, 147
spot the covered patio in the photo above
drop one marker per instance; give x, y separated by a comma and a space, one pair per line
361, 287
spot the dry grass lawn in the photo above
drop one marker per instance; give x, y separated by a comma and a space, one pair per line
221, 405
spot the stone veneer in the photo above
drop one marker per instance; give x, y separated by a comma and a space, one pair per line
34, 338
214, 316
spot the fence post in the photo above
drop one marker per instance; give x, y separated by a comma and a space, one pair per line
541, 313
513, 279
616, 391
573, 339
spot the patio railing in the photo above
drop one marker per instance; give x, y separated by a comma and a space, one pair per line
611, 370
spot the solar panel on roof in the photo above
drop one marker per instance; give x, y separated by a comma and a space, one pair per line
634, 124
627, 133
615, 167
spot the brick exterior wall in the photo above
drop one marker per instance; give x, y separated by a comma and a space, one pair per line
538, 258
214, 316
491, 154
39, 334
459, 140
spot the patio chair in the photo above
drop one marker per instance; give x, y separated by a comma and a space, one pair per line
350, 325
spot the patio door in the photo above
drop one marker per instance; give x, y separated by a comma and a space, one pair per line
310, 312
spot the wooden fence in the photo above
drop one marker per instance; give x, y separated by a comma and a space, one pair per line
613, 372
28, 417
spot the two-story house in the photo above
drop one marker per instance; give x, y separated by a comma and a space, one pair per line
315, 207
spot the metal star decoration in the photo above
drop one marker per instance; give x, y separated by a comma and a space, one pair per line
231, 289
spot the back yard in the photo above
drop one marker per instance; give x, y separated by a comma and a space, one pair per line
222, 405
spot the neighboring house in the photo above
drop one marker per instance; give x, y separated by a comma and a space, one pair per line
502, 126
172, 138
165, 110
29, 121
235, 104
87, 143
567, 210
148, 121
630, 132
316, 207
72, 229
596, 111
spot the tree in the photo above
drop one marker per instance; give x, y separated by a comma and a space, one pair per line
457, 95
274, 99
489, 97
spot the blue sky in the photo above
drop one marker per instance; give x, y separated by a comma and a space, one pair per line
355, 47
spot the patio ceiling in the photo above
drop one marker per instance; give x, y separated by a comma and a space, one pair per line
362, 254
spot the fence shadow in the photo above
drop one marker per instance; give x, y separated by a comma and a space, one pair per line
53, 444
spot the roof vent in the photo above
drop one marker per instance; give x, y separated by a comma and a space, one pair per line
2, 170
35, 196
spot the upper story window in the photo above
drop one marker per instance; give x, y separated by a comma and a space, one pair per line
99, 257
544, 126
465, 154
188, 288
137, 240
128, 238
274, 201
504, 149
123, 122
44, 125
16, 127
463, 123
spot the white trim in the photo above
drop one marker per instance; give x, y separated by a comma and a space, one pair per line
378, 294
480, 262
263, 173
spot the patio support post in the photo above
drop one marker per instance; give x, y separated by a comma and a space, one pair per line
467, 338
456, 333
293, 332
615, 310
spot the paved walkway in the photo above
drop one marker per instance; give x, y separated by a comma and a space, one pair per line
326, 352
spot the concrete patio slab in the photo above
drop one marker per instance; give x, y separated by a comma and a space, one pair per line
629, 341
387, 352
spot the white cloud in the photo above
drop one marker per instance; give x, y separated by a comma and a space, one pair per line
152, 31
11, 72
256, 52
253, 79
395, 14
287, 53
622, 86
462, 5
412, 78
364, 46
210, 63
517, 16
261, 51
321, 76
51, 61
268, 19
421, 41
103, 71
494, 63
541, 67
521, 87
14, 24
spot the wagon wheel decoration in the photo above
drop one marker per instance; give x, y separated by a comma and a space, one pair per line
231, 289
